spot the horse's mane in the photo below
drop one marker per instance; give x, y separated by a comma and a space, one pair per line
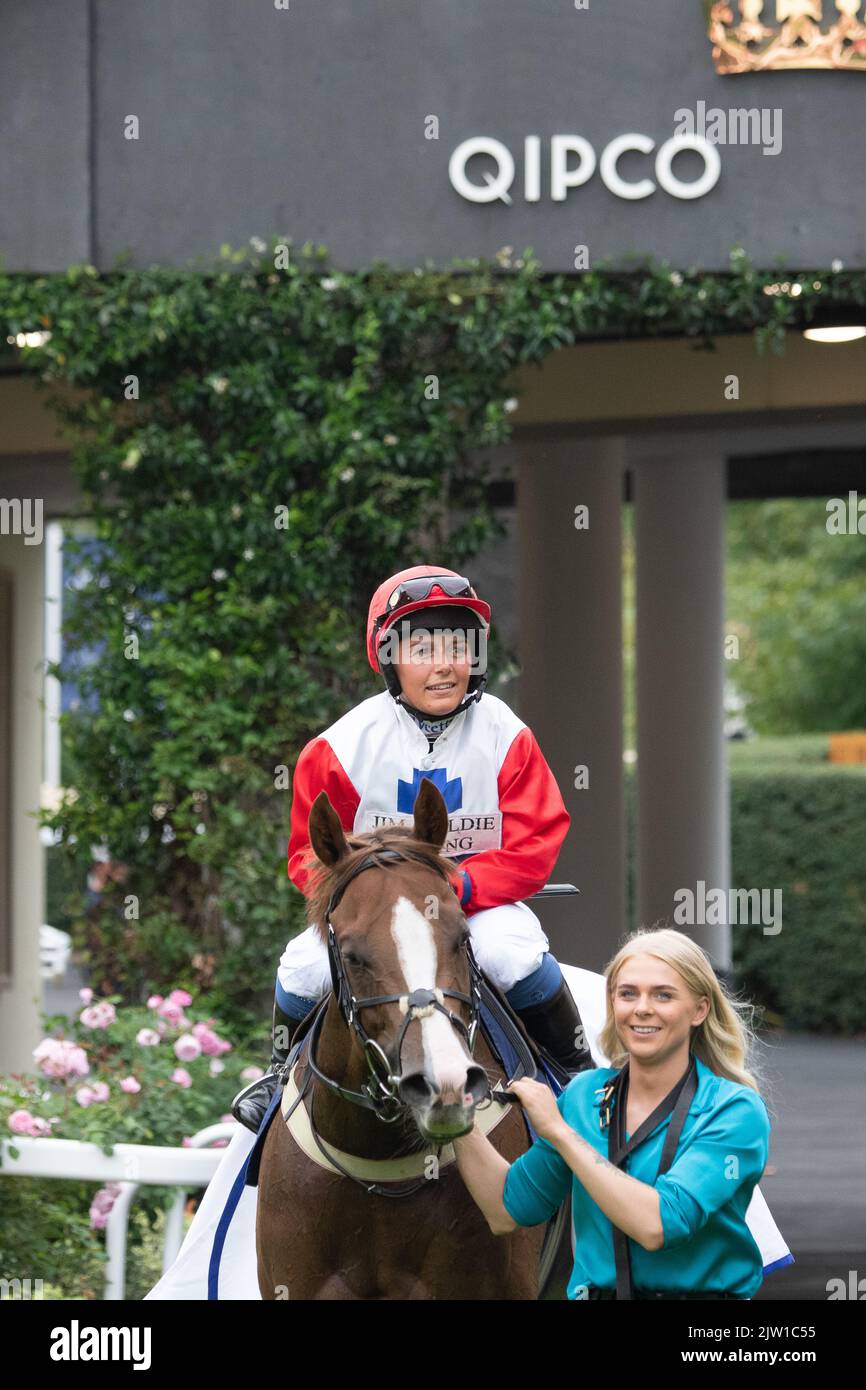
326, 880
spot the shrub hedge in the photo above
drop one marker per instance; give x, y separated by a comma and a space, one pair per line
798, 823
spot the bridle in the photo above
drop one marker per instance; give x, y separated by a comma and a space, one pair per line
380, 1092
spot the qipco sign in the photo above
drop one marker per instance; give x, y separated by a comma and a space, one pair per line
573, 161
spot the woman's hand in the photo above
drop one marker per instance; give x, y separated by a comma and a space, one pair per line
540, 1105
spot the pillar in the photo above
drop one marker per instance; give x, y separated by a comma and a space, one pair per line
20, 692
570, 610
683, 821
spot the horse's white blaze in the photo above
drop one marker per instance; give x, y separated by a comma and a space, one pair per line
445, 1056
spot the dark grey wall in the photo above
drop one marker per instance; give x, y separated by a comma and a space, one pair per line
44, 135
310, 121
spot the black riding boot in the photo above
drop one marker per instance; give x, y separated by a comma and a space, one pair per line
250, 1104
556, 1026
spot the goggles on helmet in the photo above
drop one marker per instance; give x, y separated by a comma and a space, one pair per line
411, 590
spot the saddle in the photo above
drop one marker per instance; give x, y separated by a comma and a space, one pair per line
518, 1056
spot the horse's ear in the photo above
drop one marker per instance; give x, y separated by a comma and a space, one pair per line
431, 815
326, 831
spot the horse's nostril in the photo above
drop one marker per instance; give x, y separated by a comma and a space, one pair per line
477, 1084
415, 1089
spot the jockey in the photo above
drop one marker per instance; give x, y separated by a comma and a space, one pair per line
507, 819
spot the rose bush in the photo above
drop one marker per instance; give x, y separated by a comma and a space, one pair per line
111, 1077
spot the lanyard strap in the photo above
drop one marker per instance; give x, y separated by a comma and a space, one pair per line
677, 1101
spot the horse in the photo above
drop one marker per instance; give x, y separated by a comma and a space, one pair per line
401, 1066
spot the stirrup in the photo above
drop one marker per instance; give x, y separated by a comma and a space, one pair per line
250, 1104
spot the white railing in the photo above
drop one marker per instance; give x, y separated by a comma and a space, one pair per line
132, 1165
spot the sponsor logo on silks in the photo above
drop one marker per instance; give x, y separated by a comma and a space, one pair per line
452, 790
468, 832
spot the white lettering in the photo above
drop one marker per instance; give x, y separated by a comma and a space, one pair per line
495, 186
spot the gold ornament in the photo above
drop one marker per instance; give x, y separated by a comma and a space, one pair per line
747, 44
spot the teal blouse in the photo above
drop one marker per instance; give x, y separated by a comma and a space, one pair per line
703, 1196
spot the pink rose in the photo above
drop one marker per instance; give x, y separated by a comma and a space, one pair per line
20, 1121
85, 995
154, 1001
251, 1073
60, 1057
92, 1095
187, 1048
172, 1013
100, 1207
181, 1077
216, 1066
180, 996
208, 1042
130, 1085
147, 1037
211, 1045
98, 1015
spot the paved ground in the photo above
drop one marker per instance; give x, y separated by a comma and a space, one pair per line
816, 1179
61, 996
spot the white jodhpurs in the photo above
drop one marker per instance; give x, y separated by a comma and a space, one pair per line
508, 942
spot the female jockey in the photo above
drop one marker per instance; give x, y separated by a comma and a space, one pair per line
506, 814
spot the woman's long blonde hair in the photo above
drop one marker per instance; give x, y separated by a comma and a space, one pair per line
725, 1041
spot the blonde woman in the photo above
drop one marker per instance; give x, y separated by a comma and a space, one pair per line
661, 1151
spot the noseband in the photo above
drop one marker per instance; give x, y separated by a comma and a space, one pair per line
380, 1091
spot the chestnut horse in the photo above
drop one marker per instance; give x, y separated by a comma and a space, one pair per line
398, 934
